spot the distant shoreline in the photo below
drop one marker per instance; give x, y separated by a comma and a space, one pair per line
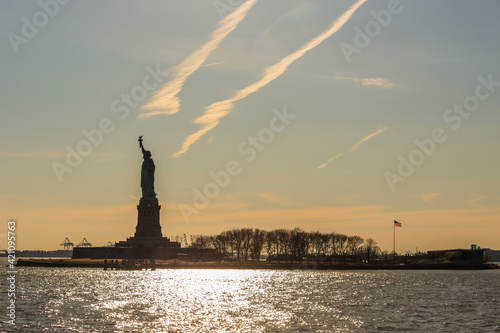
39, 254
98, 263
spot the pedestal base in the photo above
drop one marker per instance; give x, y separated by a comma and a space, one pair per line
148, 230
148, 242
148, 219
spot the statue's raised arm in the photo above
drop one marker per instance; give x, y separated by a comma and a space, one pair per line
141, 146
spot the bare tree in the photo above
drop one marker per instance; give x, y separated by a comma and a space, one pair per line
283, 242
203, 242
238, 242
333, 246
299, 243
223, 239
341, 245
258, 239
353, 244
230, 241
315, 241
271, 243
176, 238
371, 250
247, 241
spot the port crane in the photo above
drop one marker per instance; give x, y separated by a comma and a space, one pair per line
68, 245
84, 243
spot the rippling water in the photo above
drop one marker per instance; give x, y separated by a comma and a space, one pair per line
91, 300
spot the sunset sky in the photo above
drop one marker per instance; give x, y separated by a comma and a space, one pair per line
337, 116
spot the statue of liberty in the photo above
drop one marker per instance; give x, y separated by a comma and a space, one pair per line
147, 174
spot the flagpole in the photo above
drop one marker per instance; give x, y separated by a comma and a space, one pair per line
394, 231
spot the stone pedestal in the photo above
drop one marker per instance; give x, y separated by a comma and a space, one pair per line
148, 219
148, 230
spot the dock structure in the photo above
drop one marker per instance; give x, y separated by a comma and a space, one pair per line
130, 264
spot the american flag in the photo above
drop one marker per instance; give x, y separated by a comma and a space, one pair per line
397, 224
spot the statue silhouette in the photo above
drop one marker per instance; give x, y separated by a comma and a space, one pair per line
147, 174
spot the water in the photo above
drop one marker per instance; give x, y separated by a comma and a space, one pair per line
93, 300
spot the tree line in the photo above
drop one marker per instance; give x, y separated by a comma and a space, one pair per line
288, 245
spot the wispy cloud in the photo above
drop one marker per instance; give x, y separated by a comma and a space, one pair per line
32, 154
275, 199
44, 154
379, 81
218, 110
476, 200
322, 165
428, 197
368, 137
165, 100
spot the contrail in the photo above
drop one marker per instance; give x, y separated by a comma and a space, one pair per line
213, 64
165, 100
368, 137
218, 110
322, 165
355, 147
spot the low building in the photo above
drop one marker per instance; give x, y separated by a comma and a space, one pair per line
472, 256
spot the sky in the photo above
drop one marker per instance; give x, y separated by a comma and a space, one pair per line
336, 116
